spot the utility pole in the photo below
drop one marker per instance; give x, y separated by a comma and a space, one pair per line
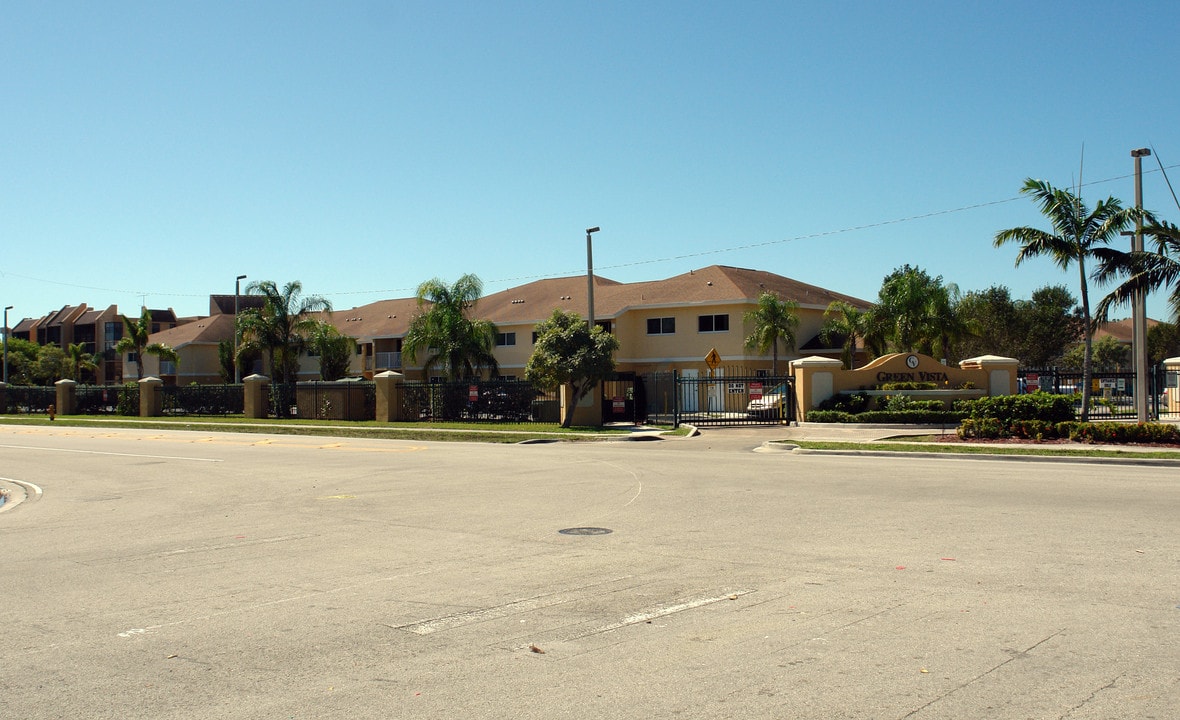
1139, 301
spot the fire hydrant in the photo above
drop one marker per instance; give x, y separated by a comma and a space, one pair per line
52, 412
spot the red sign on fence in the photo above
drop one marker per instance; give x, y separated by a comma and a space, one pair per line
620, 405
473, 393
755, 391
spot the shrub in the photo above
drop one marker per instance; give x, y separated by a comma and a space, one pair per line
900, 403
1032, 406
911, 417
908, 386
846, 402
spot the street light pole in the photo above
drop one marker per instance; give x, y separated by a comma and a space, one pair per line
590, 280
1139, 300
237, 292
6, 343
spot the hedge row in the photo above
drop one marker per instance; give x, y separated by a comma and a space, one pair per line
912, 417
1104, 432
1010, 408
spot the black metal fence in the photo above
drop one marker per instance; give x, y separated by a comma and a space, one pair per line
727, 396
23, 399
479, 401
342, 400
1112, 394
107, 399
206, 400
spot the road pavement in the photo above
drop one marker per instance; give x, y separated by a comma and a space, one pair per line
163, 574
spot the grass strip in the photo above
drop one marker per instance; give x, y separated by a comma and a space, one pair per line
955, 449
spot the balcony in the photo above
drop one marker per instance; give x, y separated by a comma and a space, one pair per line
387, 361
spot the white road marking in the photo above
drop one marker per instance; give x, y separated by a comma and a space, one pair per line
100, 452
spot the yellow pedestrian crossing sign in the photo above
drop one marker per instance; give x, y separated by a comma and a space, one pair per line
713, 359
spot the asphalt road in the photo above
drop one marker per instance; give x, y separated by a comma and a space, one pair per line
201, 575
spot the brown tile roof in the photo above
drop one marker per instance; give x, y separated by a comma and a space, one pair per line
1120, 330
382, 319
717, 284
204, 331
537, 300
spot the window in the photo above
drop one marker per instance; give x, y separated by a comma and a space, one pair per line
713, 323
505, 339
661, 326
534, 337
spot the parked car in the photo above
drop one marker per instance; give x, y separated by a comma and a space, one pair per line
770, 405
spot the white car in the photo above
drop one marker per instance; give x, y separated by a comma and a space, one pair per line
770, 405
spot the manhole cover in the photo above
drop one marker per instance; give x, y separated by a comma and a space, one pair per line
586, 531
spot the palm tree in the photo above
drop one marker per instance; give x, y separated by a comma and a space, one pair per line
775, 320
844, 322
914, 311
460, 345
1146, 270
280, 328
1076, 236
135, 340
79, 361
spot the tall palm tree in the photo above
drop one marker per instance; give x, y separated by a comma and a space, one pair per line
1149, 271
843, 322
775, 321
1076, 236
459, 345
914, 311
79, 361
136, 334
280, 328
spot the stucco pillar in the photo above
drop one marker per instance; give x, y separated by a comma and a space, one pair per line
588, 411
67, 397
814, 381
1001, 372
1172, 365
389, 396
150, 402
254, 404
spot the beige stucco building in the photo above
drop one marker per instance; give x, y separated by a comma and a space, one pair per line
662, 325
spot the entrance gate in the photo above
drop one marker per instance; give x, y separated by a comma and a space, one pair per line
722, 398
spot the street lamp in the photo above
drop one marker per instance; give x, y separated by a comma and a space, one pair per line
1139, 299
6, 309
590, 279
237, 367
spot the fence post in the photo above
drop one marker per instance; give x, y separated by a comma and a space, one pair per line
254, 401
3, 397
389, 396
67, 397
149, 397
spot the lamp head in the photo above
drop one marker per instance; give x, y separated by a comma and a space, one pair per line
592, 230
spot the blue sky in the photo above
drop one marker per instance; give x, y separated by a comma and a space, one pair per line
152, 151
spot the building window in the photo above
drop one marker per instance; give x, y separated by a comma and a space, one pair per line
505, 339
713, 323
661, 326
534, 337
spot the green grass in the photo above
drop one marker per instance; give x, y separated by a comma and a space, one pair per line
446, 431
908, 445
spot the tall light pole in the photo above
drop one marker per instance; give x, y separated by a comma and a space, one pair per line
237, 292
1139, 300
590, 279
6, 309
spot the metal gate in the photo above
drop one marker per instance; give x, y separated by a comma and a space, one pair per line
723, 398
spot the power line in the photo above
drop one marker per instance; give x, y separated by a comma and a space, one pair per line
636, 263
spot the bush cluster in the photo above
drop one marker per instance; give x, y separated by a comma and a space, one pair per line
846, 403
1010, 408
908, 385
1102, 432
910, 417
